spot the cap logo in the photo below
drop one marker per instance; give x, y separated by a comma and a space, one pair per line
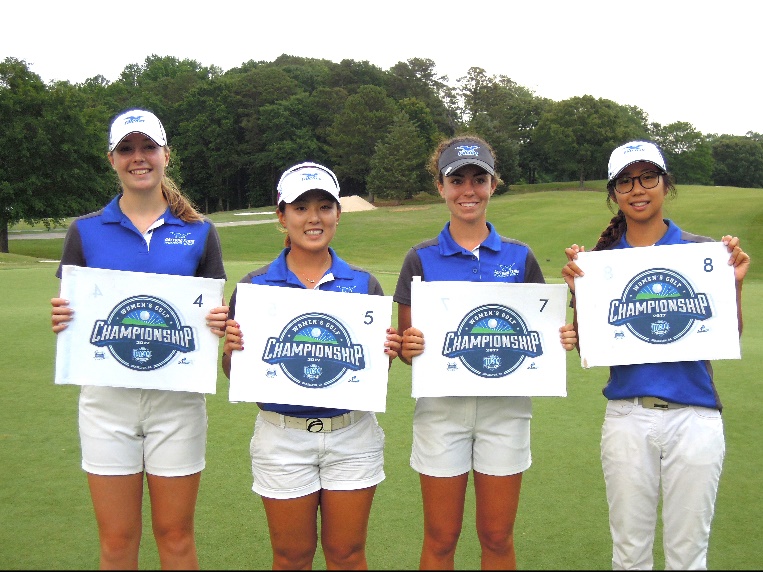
468, 150
134, 119
311, 177
631, 148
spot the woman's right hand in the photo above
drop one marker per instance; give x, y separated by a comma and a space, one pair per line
571, 269
413, 344
61, 314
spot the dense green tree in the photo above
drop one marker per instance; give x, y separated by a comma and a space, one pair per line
309, 73
577, 136
208, 140
738, 162
286, 132
52, 162
398, 160
354, 133
351, 75
687, 152
417, 79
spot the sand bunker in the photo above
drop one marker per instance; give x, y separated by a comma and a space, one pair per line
354, 203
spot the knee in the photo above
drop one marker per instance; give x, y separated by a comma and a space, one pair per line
293, 558
496, 541
442, 541
174, 541
118, 547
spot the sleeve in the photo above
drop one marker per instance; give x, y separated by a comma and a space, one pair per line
411, 267
533, 273
374, 286
211, 262
72, 253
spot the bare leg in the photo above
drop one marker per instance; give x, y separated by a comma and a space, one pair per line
443, 499
344, 527
293, 528
497, 503
118, 501
173, 504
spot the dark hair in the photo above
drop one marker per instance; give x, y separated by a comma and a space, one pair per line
434, 159
617, 225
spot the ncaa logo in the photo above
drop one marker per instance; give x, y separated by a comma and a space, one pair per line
314, 350
492, 341
659, 306
143, 333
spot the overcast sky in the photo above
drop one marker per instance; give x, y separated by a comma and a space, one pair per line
678, 60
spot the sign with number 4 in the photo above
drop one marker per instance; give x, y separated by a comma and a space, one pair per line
657, 304
141, 330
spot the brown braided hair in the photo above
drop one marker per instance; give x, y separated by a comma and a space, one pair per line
618, 225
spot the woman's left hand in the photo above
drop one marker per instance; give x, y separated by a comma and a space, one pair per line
739, 258
216, 320
393, 343
568, 337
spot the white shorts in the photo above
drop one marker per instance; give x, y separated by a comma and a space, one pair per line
124, 431
289, 463
452, 435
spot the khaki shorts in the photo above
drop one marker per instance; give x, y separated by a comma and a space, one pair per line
453, 435
124, 431
289, 463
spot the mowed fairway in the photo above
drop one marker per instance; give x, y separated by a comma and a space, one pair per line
47, 519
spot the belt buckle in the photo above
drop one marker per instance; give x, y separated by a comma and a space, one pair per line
318, 424
654, 403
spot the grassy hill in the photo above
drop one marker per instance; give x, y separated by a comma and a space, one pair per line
562, 523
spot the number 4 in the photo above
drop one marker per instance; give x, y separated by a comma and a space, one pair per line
197, 301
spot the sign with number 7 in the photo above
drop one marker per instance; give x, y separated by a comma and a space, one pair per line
489, 338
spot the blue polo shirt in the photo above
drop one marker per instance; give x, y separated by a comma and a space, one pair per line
341, 277
108, 239
500, 259
687, 382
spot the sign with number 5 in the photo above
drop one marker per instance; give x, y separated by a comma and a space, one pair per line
141, 330
311, 347
656, 304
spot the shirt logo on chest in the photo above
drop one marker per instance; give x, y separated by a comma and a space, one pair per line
180, 238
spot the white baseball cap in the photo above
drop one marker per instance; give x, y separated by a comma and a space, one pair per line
634, 152
304, 177
137, 121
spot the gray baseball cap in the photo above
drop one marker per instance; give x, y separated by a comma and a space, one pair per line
465, 152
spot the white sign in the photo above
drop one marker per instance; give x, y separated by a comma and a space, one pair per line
489, 338
311, 347
135, 329
656, 304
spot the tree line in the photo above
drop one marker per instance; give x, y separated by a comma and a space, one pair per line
232, 133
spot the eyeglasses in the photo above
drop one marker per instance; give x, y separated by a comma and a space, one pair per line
648, 180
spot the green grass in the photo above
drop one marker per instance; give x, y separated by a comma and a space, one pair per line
47, 517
